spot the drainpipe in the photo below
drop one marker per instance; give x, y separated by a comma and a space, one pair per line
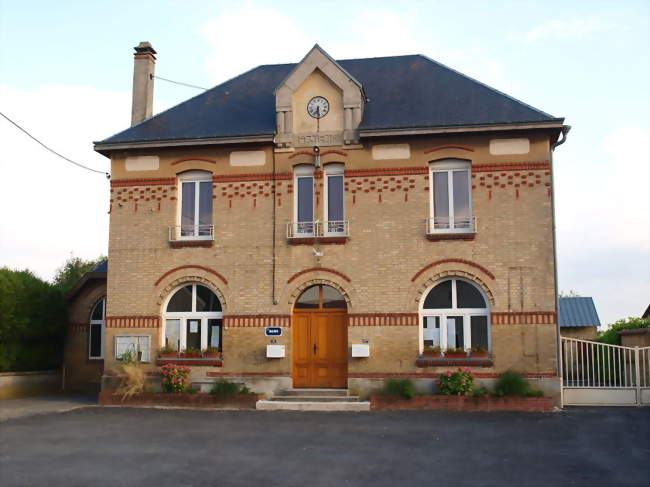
559, 142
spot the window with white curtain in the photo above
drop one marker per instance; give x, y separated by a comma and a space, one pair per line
451, 198
334, 206
195, 205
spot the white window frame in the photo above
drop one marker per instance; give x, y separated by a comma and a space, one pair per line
336, 227
102, 323
450, 166
196, 177
444, 313
145, 358
184, 316
300, 172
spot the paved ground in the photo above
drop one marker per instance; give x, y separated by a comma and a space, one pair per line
29, 406
157, 447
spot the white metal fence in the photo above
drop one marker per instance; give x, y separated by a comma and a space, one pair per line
601, 374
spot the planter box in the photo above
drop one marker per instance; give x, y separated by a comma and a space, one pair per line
461, 403
198, 400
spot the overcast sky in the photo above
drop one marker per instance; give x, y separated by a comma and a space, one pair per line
66, 74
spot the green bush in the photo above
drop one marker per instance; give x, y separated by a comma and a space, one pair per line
535, 393
511, 383
225, 387
459, 383
611, 335
401, 387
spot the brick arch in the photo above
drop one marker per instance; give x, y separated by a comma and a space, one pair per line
475, 279
318, 269
206, 269
188, 159
295, 294
449, 146
189, 279
455, 261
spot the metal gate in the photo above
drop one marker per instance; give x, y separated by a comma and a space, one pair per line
597, 374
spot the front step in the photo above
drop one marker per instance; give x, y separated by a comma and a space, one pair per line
313, 400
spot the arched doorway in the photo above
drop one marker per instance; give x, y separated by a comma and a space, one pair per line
320, 338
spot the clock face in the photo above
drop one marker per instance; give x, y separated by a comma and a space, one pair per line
318, 107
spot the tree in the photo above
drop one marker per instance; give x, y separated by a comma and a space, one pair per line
611, 335
72, 270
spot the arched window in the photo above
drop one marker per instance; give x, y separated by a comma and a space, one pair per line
193, 318
321, 297
96, 330
455, 314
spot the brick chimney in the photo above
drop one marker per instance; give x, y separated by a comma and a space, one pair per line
144, 64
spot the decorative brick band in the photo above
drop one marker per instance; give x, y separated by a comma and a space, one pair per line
249, 321
317, 269
302, 153
78, 327
202, 159
512, 166
236, 178
448, 146
524, 318
120, 183
207, 269
459, 261
387, 171
248, 374
132, 322
434, 375
383, 319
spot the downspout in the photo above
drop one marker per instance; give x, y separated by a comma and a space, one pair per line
559, 142
273, 265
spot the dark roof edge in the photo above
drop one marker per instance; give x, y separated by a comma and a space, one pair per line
557, 123
103, 147
88, 276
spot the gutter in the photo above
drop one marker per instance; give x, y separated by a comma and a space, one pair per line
384, 132
564, 132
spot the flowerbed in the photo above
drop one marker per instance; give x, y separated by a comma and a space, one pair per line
197, 400
461, 403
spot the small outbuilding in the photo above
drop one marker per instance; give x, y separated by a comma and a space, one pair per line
578, 318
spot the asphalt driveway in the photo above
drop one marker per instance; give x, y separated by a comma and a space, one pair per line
155, 447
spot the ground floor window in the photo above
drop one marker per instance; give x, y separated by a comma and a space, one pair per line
96, 330
193, 319
455, 314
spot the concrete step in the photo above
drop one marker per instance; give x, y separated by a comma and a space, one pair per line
314, 392
312, 406
315, 398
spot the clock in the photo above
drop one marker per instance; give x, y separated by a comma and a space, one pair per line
318, 107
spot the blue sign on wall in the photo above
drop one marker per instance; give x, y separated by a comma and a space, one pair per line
273, 331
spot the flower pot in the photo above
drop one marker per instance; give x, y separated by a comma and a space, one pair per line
479, 355
211, 355
455, 355
190, 355
168, 354
432, 354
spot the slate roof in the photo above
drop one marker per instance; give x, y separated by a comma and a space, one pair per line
102, 267
404, 92
579, 311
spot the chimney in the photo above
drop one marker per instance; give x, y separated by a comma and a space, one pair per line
143, 69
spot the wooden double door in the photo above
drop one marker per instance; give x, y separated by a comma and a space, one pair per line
320, 348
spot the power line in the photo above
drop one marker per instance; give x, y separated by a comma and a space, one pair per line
52, 150
178, 82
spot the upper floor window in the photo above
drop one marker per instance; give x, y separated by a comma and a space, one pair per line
195, 206
334, 217
96, 330
451, 199
303, 225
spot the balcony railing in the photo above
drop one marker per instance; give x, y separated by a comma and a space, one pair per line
191, 232
339, 228
445, 224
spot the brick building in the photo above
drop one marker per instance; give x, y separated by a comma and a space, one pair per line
326, 223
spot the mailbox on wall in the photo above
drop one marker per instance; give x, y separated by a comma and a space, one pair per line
361, 350
275, 351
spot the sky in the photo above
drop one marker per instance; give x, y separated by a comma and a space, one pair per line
66, 75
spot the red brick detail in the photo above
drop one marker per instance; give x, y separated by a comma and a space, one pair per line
132, 322
387, 171
202, 362
246, 321
179, 244
207, 269
317, 269
462, 403
382, 319
511, 166
460, 261
435, 375
524, 318
321, 240
78, 327
437, 237
449, 146
267, 176
453, 362
334, 151
120, 183
302, 153
247, 374
203, 159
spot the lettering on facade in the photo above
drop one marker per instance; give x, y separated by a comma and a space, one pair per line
310, 140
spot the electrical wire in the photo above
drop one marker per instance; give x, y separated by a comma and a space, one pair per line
52, 150
178, 82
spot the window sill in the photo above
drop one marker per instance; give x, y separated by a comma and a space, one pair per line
199, 362
179, 244
423, 361
339, 240
436, 237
